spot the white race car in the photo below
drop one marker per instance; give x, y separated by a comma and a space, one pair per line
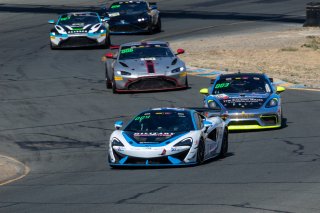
168, 137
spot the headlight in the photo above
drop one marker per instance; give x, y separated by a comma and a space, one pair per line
185, 142
213, 105
141, 19
123, 73
272, 103
179, 69
116, 142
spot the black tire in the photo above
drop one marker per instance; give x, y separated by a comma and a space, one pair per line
200, 152
114, 86
107, 42
158, 27
150, 30
224, 145
108, 74
187, 84
108, 84
108, 81
52, 47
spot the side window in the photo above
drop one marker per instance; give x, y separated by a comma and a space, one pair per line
213, 135
198, 120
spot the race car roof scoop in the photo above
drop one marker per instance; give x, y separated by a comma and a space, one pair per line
123, 64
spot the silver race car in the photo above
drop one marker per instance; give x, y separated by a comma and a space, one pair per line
79, 29
247, 101
145, 66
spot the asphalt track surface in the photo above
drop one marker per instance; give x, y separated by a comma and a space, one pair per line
56, 116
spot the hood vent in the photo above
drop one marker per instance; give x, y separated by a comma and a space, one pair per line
123, 64
174, 61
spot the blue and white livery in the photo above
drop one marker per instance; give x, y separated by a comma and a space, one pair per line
168, 137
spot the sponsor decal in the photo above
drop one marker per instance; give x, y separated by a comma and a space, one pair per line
65, 18
222, 85
174, 149
115, 6
221, 96
114, 14
148, 59
243, 100
153, 134
128, 50
141, 118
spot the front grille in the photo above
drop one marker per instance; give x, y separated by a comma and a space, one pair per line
160, 160
78, 41
152, 83
269, 119
239, 123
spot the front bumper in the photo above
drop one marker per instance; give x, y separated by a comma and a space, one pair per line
254, 119
150, 83
81, 40
149, 157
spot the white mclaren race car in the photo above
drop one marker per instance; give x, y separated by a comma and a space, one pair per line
168, 137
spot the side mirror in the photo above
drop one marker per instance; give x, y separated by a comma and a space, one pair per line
206, 123
105, 19
153, 7
180, 51
204, 91
212, 80
271, 80
51, 21
109, 55
280, 89
118, 125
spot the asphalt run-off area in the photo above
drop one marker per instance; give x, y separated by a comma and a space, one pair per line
56, 117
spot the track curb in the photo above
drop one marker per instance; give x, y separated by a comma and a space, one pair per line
18, 170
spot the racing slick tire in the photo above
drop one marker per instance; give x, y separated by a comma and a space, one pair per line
158, 26
114, 86
224, 145
200, 152
107, 42
108, 75
187, 84
52, 47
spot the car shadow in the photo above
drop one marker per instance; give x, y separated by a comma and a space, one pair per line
229, 154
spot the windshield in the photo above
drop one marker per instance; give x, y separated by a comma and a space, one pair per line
128, 7
144, 52
243, 84
161, 121
78, 19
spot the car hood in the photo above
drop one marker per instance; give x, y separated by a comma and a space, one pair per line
123, 15
153, 137
79, 28
242, 100
144, 66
